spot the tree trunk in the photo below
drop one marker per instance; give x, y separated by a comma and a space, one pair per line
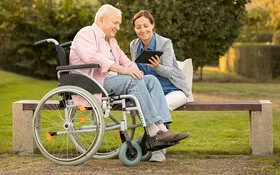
200, 73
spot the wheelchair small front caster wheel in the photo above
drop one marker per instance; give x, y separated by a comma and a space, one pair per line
146, 155
126, 157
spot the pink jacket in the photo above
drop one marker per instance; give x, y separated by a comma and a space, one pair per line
89, 46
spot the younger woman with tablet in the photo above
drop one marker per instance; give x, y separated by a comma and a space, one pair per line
165, 67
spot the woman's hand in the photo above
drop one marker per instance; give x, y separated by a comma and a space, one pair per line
155, 61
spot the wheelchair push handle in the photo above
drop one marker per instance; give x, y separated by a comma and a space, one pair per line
66, 44
50, 40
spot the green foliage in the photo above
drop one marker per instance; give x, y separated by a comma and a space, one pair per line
255, 37
202, 30
258, 61
263, 18
276, 37
24, 22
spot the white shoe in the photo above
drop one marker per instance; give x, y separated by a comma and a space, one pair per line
158, 156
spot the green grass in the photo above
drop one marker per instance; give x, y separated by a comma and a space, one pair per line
212, 132
14, 87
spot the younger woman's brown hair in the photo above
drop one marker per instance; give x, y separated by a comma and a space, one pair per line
144, 13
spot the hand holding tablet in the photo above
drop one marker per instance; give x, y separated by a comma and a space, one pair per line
146, 55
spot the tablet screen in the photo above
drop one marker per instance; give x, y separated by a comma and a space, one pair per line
146, 55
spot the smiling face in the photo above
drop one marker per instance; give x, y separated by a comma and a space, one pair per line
144, 29
110, 24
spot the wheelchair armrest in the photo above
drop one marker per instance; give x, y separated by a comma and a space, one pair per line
80, 66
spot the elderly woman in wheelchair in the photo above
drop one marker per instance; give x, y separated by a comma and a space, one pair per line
85, 122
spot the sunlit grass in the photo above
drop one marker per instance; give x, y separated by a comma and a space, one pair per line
15, 87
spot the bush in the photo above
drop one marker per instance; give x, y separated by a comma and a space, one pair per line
23, 22
255, 37
276, 37
201, 30
258, 61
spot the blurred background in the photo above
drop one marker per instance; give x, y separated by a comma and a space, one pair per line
239, 36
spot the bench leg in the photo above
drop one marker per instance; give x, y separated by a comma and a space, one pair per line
261, 129
22, 130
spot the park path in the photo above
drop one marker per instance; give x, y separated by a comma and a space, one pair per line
175, 164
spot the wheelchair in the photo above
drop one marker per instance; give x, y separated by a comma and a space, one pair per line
71, 126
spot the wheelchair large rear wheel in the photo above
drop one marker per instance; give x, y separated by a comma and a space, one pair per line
61, 125
111, 140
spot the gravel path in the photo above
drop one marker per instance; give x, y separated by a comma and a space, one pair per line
175, 164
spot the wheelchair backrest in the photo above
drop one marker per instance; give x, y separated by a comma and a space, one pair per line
63, 55
63, 51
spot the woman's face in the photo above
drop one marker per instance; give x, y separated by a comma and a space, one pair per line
143, 28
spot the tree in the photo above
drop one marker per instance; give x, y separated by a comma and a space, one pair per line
22, 22
202, 30
262, 21
270, 8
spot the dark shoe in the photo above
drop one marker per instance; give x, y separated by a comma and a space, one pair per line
180, 136
165, 136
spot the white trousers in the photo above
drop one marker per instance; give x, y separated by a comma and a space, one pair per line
175, 99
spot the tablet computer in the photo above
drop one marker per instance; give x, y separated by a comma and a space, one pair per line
146, 55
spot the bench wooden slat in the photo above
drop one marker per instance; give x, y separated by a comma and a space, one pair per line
195, 106
33, 104
221, 106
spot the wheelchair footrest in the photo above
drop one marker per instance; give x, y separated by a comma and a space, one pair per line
157, 145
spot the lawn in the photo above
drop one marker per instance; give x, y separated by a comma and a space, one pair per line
14, 87
211, 132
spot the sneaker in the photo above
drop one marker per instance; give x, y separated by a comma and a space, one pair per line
180, 136
158, 156
165, 136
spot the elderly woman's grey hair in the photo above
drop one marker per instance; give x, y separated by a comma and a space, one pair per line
105, 10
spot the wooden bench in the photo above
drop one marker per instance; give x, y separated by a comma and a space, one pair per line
260, 114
